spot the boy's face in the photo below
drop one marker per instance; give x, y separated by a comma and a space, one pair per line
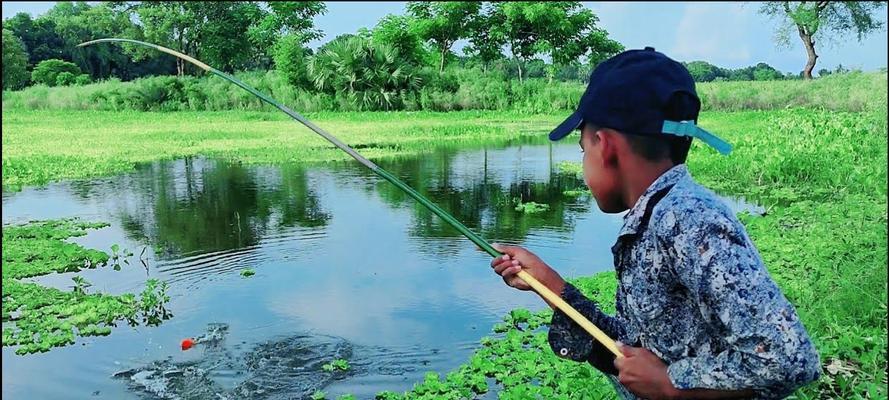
599, 170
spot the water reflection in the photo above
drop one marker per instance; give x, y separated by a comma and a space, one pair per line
198, 205
202, 206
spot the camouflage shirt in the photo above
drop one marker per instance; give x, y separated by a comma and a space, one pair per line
693, 290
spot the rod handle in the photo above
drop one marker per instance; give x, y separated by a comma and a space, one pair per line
570, 312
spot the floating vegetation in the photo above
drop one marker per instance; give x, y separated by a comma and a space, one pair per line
247, 272
336, 365
37, 318
318, 395
531, 207
576, 192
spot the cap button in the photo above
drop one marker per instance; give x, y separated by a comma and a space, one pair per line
649, 48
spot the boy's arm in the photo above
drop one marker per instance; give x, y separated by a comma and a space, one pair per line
768, 348
568, 340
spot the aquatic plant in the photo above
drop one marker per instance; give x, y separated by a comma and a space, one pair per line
531, 207
37, 318
336, 365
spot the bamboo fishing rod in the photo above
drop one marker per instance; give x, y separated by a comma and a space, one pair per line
544, 291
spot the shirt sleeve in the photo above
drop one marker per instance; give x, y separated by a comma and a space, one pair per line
569, 340
768, 349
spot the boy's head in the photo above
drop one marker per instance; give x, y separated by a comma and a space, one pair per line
637, 115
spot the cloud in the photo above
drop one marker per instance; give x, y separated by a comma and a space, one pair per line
715, 32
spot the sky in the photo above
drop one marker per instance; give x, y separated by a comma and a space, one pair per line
727, 34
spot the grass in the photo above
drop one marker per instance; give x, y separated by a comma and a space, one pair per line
469, 90
45, 146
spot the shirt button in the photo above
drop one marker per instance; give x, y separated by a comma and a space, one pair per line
563, 352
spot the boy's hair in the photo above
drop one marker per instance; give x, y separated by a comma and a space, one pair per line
656, 148
659, 147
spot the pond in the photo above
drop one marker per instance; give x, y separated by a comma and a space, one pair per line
346, 266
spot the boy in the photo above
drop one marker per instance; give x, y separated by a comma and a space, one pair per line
698, 313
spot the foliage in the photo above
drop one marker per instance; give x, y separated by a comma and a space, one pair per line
400, 32
563, 30
15, 62
38, 36
291, 58
77, 22
247, 272
283, 19
37, 318
228, 35
442, 23
365, 75
47, 71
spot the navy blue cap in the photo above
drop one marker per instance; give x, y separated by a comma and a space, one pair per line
641, 92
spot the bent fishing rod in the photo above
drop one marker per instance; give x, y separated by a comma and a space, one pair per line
544, 291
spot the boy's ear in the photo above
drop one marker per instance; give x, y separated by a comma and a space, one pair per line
607, 145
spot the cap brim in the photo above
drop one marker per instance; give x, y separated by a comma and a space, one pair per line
566, 127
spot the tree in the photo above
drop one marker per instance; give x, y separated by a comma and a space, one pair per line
79, 22
364, 74
702, 71
38, 36
483, 45
443, 23
563, 30
822, 20
291, 58
15, 62
400, 32
765, 72
229, 35
282, 18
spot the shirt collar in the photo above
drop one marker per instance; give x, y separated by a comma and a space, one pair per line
633, 218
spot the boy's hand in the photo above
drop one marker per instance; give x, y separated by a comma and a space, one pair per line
644, 374
516, 259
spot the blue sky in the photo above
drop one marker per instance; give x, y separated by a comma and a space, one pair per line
724, 33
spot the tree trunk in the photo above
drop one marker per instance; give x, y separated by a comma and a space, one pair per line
809, 44
519, 65
444, 51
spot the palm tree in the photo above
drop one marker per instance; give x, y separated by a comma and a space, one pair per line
367, 75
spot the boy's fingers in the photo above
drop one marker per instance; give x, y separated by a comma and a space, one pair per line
628, 351
501, 268
508, 250
498, 260
619, 363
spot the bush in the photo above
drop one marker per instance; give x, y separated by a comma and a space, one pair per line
47, 71
363, 75
64, 78
82, 79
